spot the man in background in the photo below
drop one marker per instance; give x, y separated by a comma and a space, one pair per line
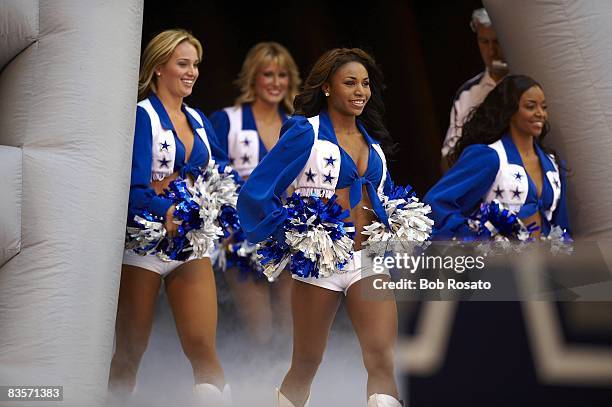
473, 92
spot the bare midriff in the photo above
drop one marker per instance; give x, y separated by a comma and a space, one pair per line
537, 218
359, 216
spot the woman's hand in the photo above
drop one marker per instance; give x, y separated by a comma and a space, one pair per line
171, 227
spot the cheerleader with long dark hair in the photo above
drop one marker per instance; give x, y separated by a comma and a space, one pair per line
330, 150
502, 157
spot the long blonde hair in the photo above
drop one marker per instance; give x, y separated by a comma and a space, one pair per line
260, 55
158, 52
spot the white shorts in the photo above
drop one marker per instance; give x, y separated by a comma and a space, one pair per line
151, 262
352, 272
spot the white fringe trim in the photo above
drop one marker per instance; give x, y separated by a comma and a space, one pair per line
320, 192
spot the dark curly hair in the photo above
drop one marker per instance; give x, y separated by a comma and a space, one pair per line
310, 101
489, 121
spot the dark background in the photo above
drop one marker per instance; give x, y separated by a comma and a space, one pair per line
426, 51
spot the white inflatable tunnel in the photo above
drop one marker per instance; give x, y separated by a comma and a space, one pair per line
68, 86
565, 45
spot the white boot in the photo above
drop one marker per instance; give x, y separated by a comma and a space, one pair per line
211, 395
383, 400
281, 401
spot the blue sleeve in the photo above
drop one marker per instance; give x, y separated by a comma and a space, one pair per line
260, 208
219, 154
560, 217
220, 122
459, 192
142, 196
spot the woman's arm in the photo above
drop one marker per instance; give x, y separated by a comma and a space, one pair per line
142, 195
260, 208
457, 194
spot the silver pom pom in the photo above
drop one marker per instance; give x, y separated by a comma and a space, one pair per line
409, 224
221, 186
211, 191
145, 240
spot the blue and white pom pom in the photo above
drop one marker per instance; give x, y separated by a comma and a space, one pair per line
274, 257
408, 220
222, 189
317, 242
494, 222
215, 192
197, 210
239, 253
146, 238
